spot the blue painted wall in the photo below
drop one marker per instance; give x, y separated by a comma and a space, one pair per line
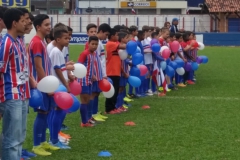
194, 3
221, 39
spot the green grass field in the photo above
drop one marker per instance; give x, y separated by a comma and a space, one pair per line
199, 122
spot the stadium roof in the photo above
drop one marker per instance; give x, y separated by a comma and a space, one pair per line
223, 5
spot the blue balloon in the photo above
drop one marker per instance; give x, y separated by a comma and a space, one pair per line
138, 50
169, 71
36, 99
135, 71
173, 65
61, 88
110, 80
204, 59
194, 66
137, 58
134, 81
180, 63
156, 47
168, 61
131, 47
75, 106
163, 65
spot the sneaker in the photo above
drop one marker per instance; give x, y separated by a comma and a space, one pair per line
132, 96
119, 110
126, 99
64, 142
64, 127
149, 91
161, 94
98, 118
169, 90
149, 94
63, 139
47, 131
126, 107
190, 82
160, 89
138, 95
123, 109
92, 121
127, 104
28, 154
46, 145
194, 79
40, 151
60, 145
113, 112
102, 116
25, 157
87, 125
67, 136
155, 92
181, 85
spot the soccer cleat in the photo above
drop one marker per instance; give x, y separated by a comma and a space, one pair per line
149, 91
40, 151
149, 94
87, 125
113, 112
25, 157
102, 116
27, 154
92, 121
64, 127
123, 109
181, 85
98, 118
190, 82
161, 94
160, 88
126, 107
61, 146
126, 99
47, 131
67, 136
63, 139
46, 145
169, 90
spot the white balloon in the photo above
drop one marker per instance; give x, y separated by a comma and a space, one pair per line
80, 70
201, 46
110, 93
122, 54
163, 48
48, 84
180, 71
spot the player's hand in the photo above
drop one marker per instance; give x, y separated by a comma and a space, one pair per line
94, 78
70, 63
70, 67
68, 89
71, 78
51, 94
125, 75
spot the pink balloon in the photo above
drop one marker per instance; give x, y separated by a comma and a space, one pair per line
75, 88
166, 53
143, 70
174, 46
63, 100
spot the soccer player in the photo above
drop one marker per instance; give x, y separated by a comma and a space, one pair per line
134, 32
61, 37
41, 67
87, 59
12, 83
113, 69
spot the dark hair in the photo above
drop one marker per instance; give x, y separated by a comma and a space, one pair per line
188, 33
104, 28
112, 33
121, 35
58, 31
118, 28
38, 19
11, 15
2, 11
133, 29
185, 37
69, 29
140, 33
124, 30
154, 34
151, 28
178, 35
59, 25
171, 35
145, 28
50, 36
157, 30
92, 38
165, 29
165, 24
91, 25
193, 34
31, 17
24, 10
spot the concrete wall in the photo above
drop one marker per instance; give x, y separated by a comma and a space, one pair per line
197, 23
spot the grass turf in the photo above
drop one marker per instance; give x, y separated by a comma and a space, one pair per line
196, 122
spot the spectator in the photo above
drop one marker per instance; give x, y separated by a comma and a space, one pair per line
167, 25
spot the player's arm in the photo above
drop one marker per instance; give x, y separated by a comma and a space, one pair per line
122, 46
37, 52
5, 52
60, 76
32, 82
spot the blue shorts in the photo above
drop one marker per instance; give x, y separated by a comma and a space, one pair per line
87, 89
95, 87
123, 81
47, 104
150, 68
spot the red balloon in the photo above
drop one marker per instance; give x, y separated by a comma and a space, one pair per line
104, 85
195, 43
166, 53
174, 46
75, 88
143, 70
63, 100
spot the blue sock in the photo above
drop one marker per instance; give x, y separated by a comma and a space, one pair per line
49, 120
122, 97
63, 116
56, 123
124, 92
95, 105
148, 84
83, 112
43, 138
38, 128
89, 109
136, 90
118, 104
153, 86
130, 90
